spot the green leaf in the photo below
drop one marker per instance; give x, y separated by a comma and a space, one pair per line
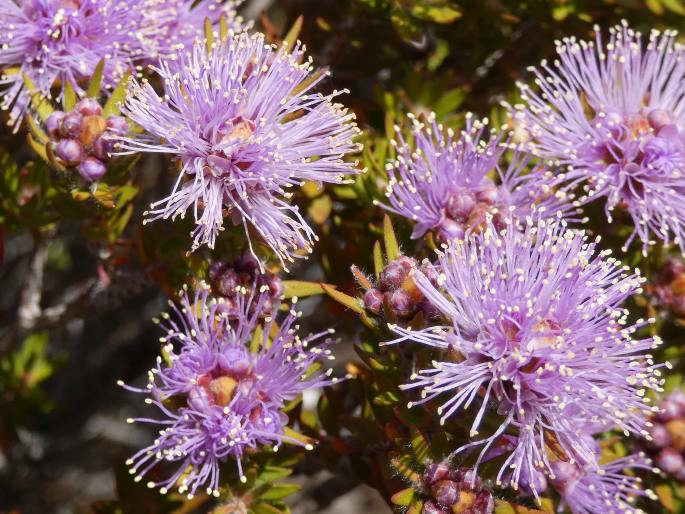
439, 14
118, 96
342, 298
676, 6
307, 441
404, 497
40, 104
264, 508
302, 288
223, 27
69, 97
378, 264
271, 473
392, 249
293, 34
420, 445
655, 6
96, 80
449, 102
209, 35
280, 491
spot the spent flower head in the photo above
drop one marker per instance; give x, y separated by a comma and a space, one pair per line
538, 332
246, 127
611, 117
221, 387
450, 182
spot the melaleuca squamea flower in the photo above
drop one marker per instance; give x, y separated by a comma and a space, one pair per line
612, 117
179, 23
65, 39
540, 334
443, 181
219, 396
601, 489
246, 127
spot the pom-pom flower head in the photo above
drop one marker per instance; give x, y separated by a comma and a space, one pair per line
536, 316
65, 39
444, 181
246, 127
228, 397
179, 23
613, 117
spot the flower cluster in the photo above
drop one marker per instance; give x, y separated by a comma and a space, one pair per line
83, 138
179, 23
537, 319
611, 117
442, 180
218, 397
233, 280
245, 124
668, 435
455, 490
395, 294
65, 39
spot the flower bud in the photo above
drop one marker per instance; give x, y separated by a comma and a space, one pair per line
276, 287
92, 169
227, 283
393, 275
70, 151
199, 399
488, 193
431, 508
89, 107
235, 361
484, 504
445, 492
72, 125
247, 263
669, 460
436, 472
676, 429
216, 269
401, 303
460, 204
373, 300
102, 148
117, 125
660, 436
450, 229
53, 122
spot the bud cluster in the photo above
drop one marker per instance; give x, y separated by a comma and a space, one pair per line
455, 491
231, 280
468, 209
83, 139
395, 294
668, 435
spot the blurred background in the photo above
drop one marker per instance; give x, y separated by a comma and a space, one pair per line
70, 327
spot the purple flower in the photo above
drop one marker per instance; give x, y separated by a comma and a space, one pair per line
246, 127
611, 118
537, 319
221, 387
64, 39
442, 180
594, 489
179, 23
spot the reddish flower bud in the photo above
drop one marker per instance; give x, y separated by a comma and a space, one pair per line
373, 300
72, 125
670, 461
445, 492
89, 107
52, 124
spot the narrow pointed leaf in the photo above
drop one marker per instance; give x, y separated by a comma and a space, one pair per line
342, 298
117, 97
378, 264
96, 80
404, 497
293, 33
223, 27
40, 104
302, 288
69, 97
209, 35
39, 135
392, 249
